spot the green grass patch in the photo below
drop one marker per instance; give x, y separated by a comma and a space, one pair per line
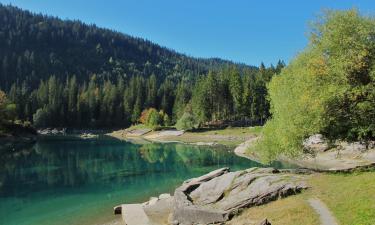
351, 197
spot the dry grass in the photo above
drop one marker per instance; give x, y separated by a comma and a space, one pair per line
291, 210
350, 197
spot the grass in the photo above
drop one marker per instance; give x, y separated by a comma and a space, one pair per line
350, 197
292, 210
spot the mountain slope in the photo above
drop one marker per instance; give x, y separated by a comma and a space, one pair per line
35, 46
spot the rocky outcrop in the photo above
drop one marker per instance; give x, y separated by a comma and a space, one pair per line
214, 198
219, 195
339, 156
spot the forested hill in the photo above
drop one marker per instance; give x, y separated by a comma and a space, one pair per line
57, 73
35, 46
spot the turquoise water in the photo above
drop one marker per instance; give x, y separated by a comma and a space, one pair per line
67, 181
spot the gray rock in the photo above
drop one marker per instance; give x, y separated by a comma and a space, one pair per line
164, 196
217, 196
316, 143
353, 147
152, 201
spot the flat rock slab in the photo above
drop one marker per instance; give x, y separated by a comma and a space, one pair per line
134, 214
219, 195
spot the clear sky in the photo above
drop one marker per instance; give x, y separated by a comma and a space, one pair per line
246, 31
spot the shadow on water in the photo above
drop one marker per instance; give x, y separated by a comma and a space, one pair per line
75, 181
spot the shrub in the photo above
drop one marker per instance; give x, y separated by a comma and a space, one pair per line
186, 122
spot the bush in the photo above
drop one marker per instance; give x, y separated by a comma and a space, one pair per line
186, 122
40, 118
154, 120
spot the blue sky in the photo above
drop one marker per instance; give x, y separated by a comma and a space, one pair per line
246, 31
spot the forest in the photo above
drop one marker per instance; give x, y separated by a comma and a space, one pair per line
69, 74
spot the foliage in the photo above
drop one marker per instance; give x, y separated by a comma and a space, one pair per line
7, 110
154, 118
328, 88
229, 95
40, 118
187, 121
144, 116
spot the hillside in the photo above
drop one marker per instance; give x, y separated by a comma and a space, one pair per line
69, 74
35, 46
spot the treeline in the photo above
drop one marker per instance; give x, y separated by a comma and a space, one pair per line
227, 95
34, 46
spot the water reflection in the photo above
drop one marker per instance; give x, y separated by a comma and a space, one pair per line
75, 181
72, 163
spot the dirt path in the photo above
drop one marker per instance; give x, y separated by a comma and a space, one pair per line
326, 217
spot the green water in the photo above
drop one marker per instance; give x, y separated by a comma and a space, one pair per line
67, 181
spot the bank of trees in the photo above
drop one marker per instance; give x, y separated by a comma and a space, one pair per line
329, 88
229, 94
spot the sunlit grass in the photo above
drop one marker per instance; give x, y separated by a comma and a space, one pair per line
291, 210
351, 197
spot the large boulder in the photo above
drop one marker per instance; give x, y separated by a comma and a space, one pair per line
316, 143
219, 195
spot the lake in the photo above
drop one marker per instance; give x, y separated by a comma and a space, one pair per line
75, 181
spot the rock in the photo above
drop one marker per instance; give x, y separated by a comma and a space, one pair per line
164, 196
159, 213
211, 192
342, 157
217, 196
152, 201
316, 143
88, 136
265, 222
54, 131
134, 214
354, 147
